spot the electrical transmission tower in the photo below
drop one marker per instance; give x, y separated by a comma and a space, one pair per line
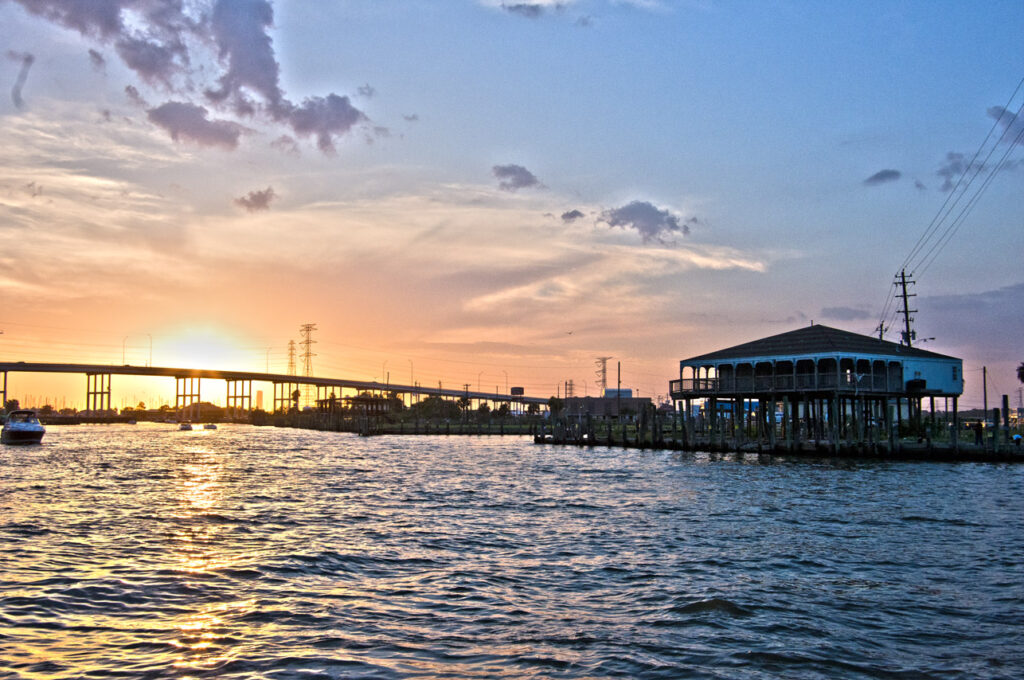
602, 373
291, 357
908, 334
306, 330
570, 389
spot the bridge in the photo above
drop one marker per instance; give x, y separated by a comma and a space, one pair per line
239, 385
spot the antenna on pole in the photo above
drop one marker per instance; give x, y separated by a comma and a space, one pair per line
908, 334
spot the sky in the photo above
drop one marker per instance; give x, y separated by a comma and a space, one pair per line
496, 193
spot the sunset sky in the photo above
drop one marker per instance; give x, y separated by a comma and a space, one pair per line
471, 190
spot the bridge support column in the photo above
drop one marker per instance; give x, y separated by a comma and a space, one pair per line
283, 392
239, 397
3, 392
186, 394
97, 391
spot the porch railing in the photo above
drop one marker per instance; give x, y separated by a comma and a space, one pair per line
809, 382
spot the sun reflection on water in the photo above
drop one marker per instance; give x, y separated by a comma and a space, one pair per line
205, 637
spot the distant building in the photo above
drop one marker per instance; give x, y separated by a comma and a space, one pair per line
606, 407
612, 393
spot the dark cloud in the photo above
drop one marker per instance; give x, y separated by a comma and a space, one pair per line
956, 165
256, 201
26, 60
323, 118
1012, 124
286, 144
514, 177
571, 216
845, 313
189, 122
366, 90
240, 30
882, 177
652, 223
153, 45
524, 9
97, 60
134, 97
97, 18
154, 37
156, 63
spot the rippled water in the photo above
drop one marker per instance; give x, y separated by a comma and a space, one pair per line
268, 553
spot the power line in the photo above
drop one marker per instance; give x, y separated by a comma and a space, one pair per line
931, 243
954, 226
936, 221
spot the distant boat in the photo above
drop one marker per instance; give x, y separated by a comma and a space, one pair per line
185, 426
22, 427
209, 426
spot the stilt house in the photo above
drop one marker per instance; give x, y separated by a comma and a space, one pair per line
819, 379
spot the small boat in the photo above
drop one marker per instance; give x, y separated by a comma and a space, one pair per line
22, 427
185, 426
209, 426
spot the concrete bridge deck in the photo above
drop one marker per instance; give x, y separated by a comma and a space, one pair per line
276, 378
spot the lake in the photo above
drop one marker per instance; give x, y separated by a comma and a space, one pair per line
245, 552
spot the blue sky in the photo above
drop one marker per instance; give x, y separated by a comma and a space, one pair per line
481, 189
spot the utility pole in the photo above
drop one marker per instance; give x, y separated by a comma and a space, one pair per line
602, 373
618, 391
291, 357
306, 330
908, 335
984, 389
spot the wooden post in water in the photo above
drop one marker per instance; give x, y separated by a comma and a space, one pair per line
1006, 418
893, 429
954, 434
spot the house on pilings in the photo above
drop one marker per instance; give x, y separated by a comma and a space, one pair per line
817, 384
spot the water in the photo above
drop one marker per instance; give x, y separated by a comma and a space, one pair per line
266, 553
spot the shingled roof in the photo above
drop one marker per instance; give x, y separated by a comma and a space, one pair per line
815, 340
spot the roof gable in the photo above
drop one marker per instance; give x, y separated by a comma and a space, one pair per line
816, 340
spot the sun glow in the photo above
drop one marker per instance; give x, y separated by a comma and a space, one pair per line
205, 347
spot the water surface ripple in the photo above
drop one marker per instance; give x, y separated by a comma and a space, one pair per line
144, 552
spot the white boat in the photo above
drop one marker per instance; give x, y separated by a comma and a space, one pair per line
22, 427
